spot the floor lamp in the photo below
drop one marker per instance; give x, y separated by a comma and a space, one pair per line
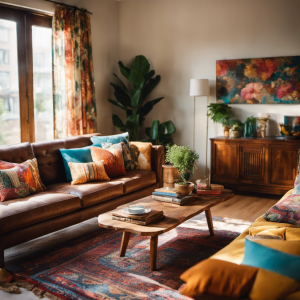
200, 88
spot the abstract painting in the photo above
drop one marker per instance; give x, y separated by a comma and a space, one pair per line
273, 80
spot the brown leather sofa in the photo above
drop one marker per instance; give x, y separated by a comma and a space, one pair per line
62, 204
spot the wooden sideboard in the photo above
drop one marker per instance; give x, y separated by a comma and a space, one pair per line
264, 165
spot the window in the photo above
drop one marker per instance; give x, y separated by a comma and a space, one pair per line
4, 80
3, 34
26, 105
4, 57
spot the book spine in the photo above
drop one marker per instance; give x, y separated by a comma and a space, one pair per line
129, 220
164, 194
166, 199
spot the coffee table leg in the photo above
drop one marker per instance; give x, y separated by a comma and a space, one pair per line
124, 243
153, 252
209, 222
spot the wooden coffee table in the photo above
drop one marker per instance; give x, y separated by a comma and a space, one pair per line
174, 216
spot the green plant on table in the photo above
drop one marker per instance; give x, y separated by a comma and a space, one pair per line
133, 99
161, 133
183, 158
236, 125
252, 120
219, 113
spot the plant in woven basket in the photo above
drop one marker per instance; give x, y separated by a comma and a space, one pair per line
184, 159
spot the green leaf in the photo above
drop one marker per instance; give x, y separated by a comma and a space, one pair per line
149, 87
149, 105
124, 70
118, 123
135, 97
116, 103
132, 122
149, 75
170, 127
147, 131
139, 68
122, 83
154, 130
121, 95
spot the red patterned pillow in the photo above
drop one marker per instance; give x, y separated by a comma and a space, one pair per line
286, 210
31, 171
13, 183
113, 159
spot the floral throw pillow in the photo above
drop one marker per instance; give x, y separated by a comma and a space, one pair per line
31, 174
112, 159
85, 172
13, 183
286, 210
140, 155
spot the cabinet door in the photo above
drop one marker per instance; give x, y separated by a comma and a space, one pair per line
283, 165
225, 162
252, 163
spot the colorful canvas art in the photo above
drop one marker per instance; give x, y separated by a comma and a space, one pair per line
273, 80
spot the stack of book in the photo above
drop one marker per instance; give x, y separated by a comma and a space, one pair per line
215, 189
142, 219
169, 194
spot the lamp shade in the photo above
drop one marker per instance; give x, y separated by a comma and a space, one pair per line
199, 87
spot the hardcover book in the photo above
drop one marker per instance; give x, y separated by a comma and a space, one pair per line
147, 217
208, 192
179, 200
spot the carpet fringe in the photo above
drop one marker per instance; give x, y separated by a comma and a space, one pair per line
13, 286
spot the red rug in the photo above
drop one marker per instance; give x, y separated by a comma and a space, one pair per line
90, 267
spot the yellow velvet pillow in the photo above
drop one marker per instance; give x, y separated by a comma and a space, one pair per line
140, 155
219, 278
85, 172
292, 234
270, 285
262, 230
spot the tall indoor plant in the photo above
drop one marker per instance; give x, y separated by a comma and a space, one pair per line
132, 97
184, 159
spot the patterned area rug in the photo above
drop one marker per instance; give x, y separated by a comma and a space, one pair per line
90, 267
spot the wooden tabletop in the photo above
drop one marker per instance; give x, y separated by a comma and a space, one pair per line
174, 214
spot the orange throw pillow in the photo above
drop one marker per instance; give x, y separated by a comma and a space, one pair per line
219, 278
112, 159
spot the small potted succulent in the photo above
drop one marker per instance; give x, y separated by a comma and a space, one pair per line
184, 159
236, 128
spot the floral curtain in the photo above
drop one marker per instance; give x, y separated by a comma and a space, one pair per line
73, 73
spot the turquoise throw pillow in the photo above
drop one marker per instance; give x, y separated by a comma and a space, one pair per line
113, 139
76, 155
257, 255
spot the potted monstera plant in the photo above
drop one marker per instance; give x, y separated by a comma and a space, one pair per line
184, 159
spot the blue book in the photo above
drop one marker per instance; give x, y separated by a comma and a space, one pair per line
164, 194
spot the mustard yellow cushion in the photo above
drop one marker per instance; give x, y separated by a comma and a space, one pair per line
292, 234
270, 285
265, 230
219, 278
84, 172
293, 296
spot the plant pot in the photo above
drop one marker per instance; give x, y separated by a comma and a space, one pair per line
235, 134
184, 189
226, 131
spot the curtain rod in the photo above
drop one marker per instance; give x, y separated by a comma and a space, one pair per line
72, 6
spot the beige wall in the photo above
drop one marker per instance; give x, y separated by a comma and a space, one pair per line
104, 39
184, 38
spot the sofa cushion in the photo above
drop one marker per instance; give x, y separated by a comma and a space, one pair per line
35, 208
49, 159
136, 179
113, 139
90, 193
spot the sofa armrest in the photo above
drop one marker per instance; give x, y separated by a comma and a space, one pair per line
157, 160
